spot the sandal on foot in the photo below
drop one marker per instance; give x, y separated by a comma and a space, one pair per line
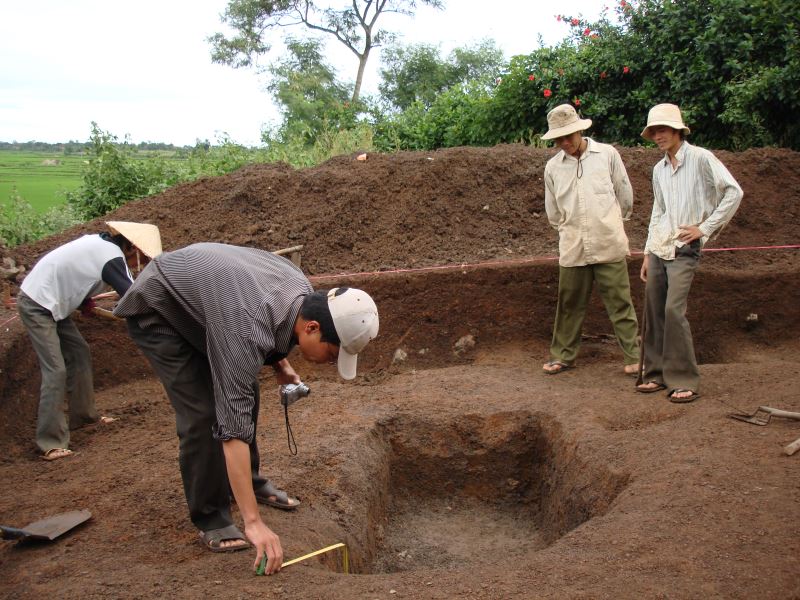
271, 496
213, 538
559, 367
631, 369
691, 398
56, 453
649, 390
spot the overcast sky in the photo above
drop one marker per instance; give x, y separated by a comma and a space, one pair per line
143, 68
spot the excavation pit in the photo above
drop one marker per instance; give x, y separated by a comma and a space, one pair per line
477, 488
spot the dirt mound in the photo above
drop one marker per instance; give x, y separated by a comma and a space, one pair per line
411, 209
452, 467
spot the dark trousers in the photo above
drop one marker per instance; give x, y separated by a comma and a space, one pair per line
668, 346
186, 377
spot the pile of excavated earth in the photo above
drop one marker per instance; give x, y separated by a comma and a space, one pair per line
452, 467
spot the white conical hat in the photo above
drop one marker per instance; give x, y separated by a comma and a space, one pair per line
144, 236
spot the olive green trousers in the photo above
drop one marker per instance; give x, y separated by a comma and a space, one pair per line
574, 290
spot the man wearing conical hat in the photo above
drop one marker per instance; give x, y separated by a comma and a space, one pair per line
587, 197
63, 281
694, 197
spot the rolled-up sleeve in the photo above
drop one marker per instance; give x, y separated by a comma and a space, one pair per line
728, 192
622, 186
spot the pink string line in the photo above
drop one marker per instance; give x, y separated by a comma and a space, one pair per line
480, 264
520, 261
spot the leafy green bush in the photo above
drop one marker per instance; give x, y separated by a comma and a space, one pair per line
114, 175
20, 223
732, 65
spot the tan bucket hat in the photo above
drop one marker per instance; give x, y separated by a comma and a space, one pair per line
664, 114
563, 120
144, 236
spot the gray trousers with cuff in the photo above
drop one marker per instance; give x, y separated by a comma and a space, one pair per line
66, 365
186, 377
668, 345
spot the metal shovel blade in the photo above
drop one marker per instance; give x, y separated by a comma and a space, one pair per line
47, 529
764, 414
760, 417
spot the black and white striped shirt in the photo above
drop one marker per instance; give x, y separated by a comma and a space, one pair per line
235, 305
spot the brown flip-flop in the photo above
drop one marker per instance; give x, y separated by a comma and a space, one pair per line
672, 398
649, 390
56, 453
562, 366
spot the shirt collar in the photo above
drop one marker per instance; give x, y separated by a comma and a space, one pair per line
679, 155
285, 338
591, 146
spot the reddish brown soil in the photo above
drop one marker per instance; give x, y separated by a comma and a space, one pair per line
454, 473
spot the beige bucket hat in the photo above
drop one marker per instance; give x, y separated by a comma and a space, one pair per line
664, 114
144, 236
563, 120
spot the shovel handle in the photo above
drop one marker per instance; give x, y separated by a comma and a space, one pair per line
792, 448
776, 412
11, 533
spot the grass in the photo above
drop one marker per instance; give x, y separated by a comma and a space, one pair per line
41, 184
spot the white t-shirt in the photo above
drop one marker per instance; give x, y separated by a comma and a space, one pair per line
66, 276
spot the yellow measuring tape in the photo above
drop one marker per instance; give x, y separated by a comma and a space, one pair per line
345, 558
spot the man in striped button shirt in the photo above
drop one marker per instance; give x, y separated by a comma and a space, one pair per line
208, 317
694, 197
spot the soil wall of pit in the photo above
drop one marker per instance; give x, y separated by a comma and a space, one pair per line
456, 207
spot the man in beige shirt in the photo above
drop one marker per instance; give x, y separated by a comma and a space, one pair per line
587, 198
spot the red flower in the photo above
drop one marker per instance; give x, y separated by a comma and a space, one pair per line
626, 70
531, 77
577, 102
587, 31
558, 18
622, 3
603, 75
575, 21
547, 93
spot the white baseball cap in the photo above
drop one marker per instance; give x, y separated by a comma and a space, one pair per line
355, 318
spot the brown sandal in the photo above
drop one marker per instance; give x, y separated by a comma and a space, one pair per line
56, 453
560, 365
649, 390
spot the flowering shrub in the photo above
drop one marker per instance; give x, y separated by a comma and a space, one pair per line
732, 65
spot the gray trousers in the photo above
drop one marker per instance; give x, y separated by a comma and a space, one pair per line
574, 290
668, 346
66, 365
186, 376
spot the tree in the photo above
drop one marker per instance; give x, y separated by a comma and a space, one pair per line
306, 86
353, 26
417, 73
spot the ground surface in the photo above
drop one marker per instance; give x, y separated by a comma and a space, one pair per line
461, 470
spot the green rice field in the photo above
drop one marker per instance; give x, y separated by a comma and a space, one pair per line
41, 178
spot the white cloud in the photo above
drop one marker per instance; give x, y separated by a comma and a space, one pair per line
144, 68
